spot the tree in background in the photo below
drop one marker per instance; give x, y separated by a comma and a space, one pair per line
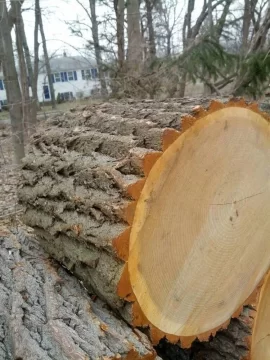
45, 53
28, 122
96, 45
81, 27
134, 51
13, 90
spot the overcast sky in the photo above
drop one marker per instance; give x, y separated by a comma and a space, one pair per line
55, 13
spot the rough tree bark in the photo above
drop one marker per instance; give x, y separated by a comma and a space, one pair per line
46, 56
134, 54
12, 84
98, 56
46, 313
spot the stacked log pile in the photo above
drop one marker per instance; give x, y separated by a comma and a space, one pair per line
157, 216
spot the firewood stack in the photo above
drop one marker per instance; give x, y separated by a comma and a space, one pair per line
161, 210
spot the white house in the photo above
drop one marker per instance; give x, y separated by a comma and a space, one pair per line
73, 77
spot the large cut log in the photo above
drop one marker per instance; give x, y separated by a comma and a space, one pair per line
46, 314
198, 245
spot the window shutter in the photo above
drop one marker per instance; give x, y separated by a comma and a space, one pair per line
52, 77
62, 76
1, 85
83, 75
75, 75
94, 73
65, 76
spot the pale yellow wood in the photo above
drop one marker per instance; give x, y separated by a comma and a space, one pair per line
200, 239
260, 346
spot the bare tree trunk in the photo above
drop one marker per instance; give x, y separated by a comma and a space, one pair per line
246, 25
11, 14
26, 52
119, 8
259, 38
222, 20
152, 45
36, 61
29, 67
207, 89
257, 44
28, 122
186, 35
182, 85
23, 82
134, 35
46, 57
95, 36
168, 39
12, 84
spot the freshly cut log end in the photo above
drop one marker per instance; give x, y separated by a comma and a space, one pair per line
153, 215
260, 343
199, 242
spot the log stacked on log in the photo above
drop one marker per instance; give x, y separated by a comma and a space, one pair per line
46, 314
167, 223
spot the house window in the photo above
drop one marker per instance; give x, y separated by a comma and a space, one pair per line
89, 74
86, 74
57, 77
70, 75
2, 86
46, 92
64, 77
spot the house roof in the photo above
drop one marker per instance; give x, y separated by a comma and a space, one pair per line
66, 63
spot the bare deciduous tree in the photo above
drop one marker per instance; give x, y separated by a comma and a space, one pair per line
28, 121
151, 33
95, 36
11, 82
134, 53
36, 61
46, 55
119, 9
